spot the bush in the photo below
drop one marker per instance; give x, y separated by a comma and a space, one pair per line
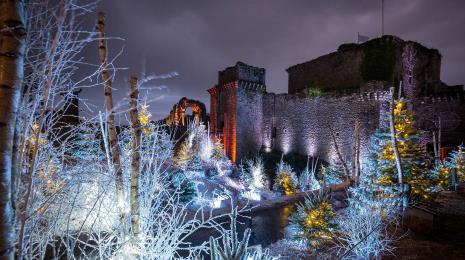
314, 220
286, 179
187, 189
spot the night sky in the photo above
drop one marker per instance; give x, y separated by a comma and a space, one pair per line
199, 38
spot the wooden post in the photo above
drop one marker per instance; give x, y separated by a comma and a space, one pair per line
110, 118
135, 162
12, 48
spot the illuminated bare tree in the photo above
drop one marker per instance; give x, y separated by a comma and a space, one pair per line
110, 117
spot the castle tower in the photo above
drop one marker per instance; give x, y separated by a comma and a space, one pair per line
226, 97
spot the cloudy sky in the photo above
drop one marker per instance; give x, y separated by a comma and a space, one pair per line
199, 38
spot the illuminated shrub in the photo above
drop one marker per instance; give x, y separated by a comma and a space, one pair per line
145, 118
442, 176
314, 219
286, 179
254, 173
185, 187
307, 179
456, 162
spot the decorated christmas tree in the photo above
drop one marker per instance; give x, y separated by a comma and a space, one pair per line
184, 155
286, 179
441, 174
186, 188
413, 157
314, 219
456, 162
145, 118
218, 149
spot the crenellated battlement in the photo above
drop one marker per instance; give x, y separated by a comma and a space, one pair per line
249, 119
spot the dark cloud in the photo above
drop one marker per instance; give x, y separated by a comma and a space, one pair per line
198, 38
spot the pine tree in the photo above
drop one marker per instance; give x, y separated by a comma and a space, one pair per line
315, 219
187, 189
286, 179
256, 173
308, 181
184, 155
441, 174
413, 157
456, 162
218, 150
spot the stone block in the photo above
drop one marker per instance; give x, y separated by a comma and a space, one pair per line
417, 220
460, 188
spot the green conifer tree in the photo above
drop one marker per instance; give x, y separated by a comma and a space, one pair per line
413, 157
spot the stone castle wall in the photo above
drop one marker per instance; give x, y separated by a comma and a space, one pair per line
345, 68
227, 118
450, 110
352, 84
294, 124
380, 59
250, 116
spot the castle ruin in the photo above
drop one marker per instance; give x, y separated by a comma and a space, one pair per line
331, 93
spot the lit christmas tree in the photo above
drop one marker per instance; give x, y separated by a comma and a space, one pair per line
441, 175
187, 189
145, 118
286, 179
184, 155
218, 149
456, 162
315, 220
413, 157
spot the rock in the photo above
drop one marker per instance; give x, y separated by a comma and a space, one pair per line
417, 220
460, 188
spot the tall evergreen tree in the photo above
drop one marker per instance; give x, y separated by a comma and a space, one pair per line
413, 156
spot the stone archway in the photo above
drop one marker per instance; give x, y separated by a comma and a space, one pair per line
178, 113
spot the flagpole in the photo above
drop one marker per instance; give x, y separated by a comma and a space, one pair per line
382, 17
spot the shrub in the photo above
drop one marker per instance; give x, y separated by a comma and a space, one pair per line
286, 179
314, 220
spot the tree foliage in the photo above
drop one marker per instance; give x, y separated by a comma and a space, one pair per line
286, 180
315, 220
413, 157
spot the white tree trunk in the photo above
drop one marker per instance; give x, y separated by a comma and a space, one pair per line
135, 160
110, 118
356, 151
12, 46
394, 141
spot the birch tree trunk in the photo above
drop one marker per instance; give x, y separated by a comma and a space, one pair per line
12, 47
110, 118
356, 151
394, 141
135, 162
